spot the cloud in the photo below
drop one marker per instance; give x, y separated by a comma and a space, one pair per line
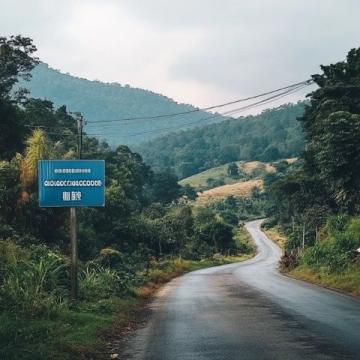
284, 44
199, 52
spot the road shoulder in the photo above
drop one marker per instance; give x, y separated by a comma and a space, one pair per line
347, 283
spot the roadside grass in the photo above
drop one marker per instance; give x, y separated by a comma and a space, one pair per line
276, 235
84, 333
244, 241
347, 281
68, 334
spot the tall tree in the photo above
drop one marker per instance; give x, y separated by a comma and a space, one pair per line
16, 61
332, 129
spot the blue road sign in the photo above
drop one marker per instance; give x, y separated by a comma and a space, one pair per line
71, 183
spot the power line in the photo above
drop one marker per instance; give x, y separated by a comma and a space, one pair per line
288, 90
227, 113
306, 82
289, 87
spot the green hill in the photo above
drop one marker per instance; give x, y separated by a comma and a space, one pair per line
219, 176
109, 101
272, 135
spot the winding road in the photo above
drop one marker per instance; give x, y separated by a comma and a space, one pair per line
247, 310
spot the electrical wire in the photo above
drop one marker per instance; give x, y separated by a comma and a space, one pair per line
307, 82
227, 113
288, 90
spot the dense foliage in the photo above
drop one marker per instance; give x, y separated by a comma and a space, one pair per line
146, 223
272, 135
320, 196
99, 101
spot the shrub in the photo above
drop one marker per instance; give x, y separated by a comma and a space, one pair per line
269, 223
336, 252
336, 223
98, 283
195, 249
289, 261
34, 285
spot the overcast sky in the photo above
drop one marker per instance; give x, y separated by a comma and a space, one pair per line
196, 51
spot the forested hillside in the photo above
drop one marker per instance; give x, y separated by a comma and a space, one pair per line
272, 135
317, 204
99, 101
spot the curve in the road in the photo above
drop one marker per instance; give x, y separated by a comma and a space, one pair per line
248, 311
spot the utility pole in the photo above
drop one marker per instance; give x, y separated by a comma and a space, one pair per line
73, 222
80, 124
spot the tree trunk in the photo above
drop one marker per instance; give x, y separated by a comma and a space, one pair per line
160, 250
303, 236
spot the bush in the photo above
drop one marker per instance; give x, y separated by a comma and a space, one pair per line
33, 284
10, 255
196, 250
336, 252
243, 241
98, 283
269, 223
337, 223
289, 260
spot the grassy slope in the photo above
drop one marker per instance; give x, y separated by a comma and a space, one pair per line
347, 281
252, 174
199, 181
239, 189
87, 331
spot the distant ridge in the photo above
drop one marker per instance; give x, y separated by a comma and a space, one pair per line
97, 100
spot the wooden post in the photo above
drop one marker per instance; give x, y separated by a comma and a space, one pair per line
74, 256
73, 224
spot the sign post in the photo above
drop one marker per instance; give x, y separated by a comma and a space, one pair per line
74, 256
72, 183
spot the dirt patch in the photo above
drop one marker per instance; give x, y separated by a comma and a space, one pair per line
240, 189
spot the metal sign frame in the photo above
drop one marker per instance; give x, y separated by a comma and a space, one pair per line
71, 183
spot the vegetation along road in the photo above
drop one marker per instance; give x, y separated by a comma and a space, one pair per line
248, 311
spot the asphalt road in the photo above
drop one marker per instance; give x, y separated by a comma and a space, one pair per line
248, 311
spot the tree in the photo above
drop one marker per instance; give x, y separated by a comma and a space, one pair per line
9, 190
11, 130
233, 170
332, 129
189, 192
271, 153
15, 61
338, 158
165, 187
38, 148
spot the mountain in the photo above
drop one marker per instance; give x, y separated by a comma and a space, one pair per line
272, 135
99, 101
